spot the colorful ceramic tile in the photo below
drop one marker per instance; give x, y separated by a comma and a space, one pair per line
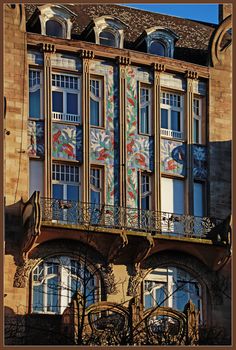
66, 142
104, 144
200, 162
173, 157
36, 138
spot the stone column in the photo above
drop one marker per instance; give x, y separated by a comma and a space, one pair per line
158, 68
86, 56
190, 76
123, 62
48, 50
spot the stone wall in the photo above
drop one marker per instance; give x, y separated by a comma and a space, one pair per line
16, 93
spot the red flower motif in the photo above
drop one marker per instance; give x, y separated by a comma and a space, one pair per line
131, 194
131, 101
68, 149
56, 136
140, 159
130, 147
102, 155
171, 164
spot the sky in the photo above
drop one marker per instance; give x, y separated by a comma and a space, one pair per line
199, 12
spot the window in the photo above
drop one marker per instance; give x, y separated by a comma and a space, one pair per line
107, 38
54, 28
96, 185
171, 287
197, 120
157, 48
66, 191
171, 115
172, 202
56, 280
198, 194
36, 176
145, 192
66, 97
96, 102
96, 194
35, 94
145, 110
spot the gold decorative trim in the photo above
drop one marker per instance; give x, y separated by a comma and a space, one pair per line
191, 74
123, 60
159, 67
89, 54
47, 47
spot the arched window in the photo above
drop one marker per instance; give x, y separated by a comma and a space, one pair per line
54, 28
172, 287
56, 280
157, 48
107, 38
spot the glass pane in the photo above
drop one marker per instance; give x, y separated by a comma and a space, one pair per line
52, 294
53, 28
57, 191
157, 48
161, 295
148, 301
164, 118
34, 104
145, 203
195, 130
38, 298
175, 120
144, 120
57, 101
107, 38
181, 295
95, 197
72, 193
94, 112
72, 103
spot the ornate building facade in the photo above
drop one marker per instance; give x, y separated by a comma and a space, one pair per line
117, 176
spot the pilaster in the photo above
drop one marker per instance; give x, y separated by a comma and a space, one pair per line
86, 56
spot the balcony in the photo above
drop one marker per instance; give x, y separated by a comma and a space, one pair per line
65, 117
130, 219
172, 133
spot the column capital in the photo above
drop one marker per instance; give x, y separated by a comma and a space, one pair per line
159, 67
191, 74
89, 54
123, 60
48, 48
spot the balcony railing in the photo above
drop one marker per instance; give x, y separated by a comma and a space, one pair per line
65, 117
89, 214
172, 133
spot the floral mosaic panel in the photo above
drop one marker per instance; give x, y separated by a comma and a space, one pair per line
36, 138
200, 162
104, 144
139, 147
66, 142
173, 157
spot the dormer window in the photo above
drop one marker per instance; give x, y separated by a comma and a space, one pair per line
157, 41
108, 31
54, 28
55, 20
157, 48
107, 38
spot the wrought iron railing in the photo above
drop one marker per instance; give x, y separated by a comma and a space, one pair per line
89, 214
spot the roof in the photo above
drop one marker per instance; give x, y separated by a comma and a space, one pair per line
194, 36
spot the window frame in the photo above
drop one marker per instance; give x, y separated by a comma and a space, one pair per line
60, 22
171, 276
36, 69
146, 194
115, 35
101, 189
64, 116
161, 42
198, 117
101, 100
149, 104
63, 278
170, 133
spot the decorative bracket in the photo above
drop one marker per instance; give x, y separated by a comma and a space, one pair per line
89, 54
123, 60
49, 48
191, 74
159, 67
108, 278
